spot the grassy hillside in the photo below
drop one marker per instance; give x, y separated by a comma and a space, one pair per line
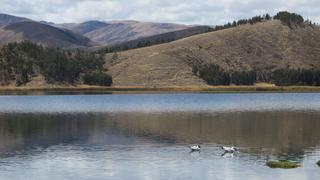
264, 46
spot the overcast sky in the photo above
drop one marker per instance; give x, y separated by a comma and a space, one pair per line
210, 12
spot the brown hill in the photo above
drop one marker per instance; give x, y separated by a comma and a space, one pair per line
42, 34
263, 46
6, 19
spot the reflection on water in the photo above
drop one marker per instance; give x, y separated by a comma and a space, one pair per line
159, 103
154, 145
52, 92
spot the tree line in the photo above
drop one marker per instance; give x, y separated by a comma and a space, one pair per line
21, 62
301, 77
287, 18
253, 20
215, 75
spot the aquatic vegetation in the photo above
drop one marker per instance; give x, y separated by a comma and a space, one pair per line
283, 164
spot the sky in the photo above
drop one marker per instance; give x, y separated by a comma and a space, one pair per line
206, 12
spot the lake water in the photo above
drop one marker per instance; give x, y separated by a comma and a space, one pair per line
147, 136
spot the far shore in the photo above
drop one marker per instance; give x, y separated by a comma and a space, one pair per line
174, 89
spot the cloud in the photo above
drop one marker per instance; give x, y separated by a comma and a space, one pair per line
175, 11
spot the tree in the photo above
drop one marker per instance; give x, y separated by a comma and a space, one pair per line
303, 77
267, 17
20, 62
290, 19
243, 78
214, 75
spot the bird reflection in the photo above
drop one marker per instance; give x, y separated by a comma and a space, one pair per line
194, 152
227, 155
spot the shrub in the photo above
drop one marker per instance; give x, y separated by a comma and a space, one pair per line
98, 78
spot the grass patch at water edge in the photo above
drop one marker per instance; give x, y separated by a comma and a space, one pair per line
283, 164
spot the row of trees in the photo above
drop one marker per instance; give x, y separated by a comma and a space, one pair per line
287, 18
20, 62
215, 75
302, 77
134, 44
253, 20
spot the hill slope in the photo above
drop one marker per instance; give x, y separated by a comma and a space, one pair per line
6, 19
263, 46
42, 34
156, 39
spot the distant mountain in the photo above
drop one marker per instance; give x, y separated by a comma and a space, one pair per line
6, 19
84, 28
92, 33
115, 32
42, 34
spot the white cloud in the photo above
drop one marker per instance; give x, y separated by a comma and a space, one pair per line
175, 11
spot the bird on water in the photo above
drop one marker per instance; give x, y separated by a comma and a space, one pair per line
229, 149
195, 148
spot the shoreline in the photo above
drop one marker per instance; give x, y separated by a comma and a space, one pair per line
146, 90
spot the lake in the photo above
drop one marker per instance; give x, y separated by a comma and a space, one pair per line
147, 136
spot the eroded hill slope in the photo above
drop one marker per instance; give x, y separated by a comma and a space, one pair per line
261, 47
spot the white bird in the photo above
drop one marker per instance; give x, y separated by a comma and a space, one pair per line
195, 148
229, 149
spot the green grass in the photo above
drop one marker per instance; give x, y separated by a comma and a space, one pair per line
283, 164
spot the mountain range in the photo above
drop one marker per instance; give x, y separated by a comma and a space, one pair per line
86, 34
107, 33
